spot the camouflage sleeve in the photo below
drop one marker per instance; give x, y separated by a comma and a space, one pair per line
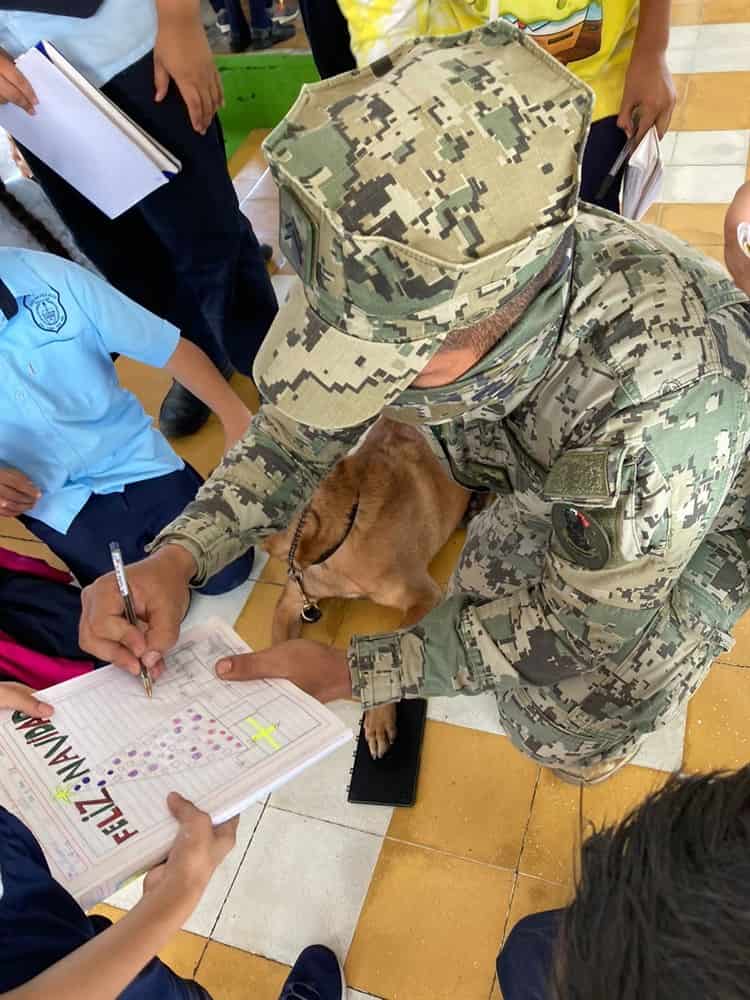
575, 619
255, 491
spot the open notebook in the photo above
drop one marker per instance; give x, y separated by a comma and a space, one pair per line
85, 137
91, 783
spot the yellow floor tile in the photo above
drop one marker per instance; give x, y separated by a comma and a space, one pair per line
248, 163
701, 225
552, 840
653, 215
30, 547
725, 11
612, 800
231, 974
444, 562
11, 527
182, 954
715, 252
713, 101
366, 618
475, 792
430, 927
687, 11
718, 735
739, 654
149, 385
533, 895
254, 624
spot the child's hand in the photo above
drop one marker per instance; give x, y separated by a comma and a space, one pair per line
14, 87
17, 493
22, 699
182, 54
198, 850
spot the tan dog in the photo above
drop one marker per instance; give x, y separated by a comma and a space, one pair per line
371, 530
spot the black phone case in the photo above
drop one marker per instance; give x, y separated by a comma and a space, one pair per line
392, 780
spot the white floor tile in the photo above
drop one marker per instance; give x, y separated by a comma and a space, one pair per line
473, 712
663, 751
204, 916
704, 184
667, 147
227, 606
302, 880
722, 48
321, 792
727, 148
683, 37
681, 60
356, 995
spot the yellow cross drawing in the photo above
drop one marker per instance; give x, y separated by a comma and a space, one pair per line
263, 734
61, 794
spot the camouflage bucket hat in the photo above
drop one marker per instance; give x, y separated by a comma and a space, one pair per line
415, 196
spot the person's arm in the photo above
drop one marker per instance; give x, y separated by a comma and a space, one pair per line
648, 82
737, 261
182, 54
191, 368
576, 619
105, 965
261, 482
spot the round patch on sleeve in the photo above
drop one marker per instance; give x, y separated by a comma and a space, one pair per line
583, 540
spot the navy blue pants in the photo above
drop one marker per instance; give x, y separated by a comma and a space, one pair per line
604, 145
133, 518
186, 251
328, 33
524, 966
259, 18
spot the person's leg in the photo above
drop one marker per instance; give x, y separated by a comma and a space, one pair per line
328, 32
41, 614
525, 963
605, 143
239, 29
224, 299
316, 974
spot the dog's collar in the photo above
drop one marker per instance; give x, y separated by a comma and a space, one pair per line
310, 611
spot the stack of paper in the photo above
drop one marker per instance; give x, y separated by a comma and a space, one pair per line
91, 782
84, 137
644, 173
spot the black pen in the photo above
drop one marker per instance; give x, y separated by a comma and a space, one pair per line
627, 151
122, 583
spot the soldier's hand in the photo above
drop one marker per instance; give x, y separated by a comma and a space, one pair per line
321, 671
160, 592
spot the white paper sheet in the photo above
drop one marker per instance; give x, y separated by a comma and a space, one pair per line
643, 177
78, 141
92, 782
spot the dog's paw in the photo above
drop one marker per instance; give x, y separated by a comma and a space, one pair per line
380, 729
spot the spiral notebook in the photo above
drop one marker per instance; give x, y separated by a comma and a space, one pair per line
91, 782
85, 137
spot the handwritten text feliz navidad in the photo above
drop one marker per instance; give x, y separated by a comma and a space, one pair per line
70, 766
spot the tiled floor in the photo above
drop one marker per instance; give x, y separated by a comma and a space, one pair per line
417, 901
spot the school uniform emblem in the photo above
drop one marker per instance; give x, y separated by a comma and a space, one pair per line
47, 311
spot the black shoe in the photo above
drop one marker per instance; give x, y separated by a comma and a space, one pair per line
266, 252
264, 38
239, 43
181, 413
316, 975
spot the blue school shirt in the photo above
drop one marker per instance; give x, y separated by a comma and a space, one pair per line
65, 420
120, 33
41, 923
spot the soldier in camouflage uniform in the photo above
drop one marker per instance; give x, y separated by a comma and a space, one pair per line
427, 195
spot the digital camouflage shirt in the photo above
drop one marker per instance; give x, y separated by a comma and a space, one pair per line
631, 408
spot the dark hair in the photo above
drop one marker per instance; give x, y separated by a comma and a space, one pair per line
662, 908
31, 224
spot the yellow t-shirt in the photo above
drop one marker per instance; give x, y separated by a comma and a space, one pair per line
594, 40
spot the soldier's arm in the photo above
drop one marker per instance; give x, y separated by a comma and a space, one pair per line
578, 619
257, 488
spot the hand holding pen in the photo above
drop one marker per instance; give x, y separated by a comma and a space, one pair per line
122, 583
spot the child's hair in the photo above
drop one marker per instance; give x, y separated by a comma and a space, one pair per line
35, 227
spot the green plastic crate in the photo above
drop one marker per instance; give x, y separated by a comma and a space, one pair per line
259, 89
